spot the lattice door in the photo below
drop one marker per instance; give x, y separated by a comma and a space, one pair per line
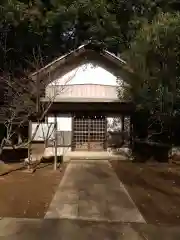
89, 133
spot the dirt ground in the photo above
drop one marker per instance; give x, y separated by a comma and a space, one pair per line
28, 195
154, 188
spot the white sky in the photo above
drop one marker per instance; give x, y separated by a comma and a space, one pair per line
86, 74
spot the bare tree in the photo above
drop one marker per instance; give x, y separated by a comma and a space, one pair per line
22, 99
22, 104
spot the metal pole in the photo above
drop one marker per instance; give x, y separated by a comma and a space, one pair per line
55, 144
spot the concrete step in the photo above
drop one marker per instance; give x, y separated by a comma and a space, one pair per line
92, 156
69, 155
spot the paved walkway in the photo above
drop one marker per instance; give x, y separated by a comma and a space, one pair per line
65, 229
90, 203
90, 190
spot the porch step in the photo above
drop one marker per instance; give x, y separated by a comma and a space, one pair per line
68, 155
78, 155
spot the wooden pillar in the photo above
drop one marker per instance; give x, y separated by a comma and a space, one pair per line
122, 122
72, 134
89, 133
55, 143
30, 143
131, 132
47, 135
106, 135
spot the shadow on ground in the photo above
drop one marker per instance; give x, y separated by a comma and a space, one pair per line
18, 229
153, 188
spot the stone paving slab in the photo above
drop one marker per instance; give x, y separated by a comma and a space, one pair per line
92, 191
66, 229
19, 229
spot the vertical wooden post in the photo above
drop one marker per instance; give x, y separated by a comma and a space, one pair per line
55, 143
122, 121
89, 132
72, 133
29, 145
106, 135
131, 131
46, 135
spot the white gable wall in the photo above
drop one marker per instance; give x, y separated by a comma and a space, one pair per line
86, 81
87, 74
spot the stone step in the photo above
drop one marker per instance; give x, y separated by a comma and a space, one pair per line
92, 156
